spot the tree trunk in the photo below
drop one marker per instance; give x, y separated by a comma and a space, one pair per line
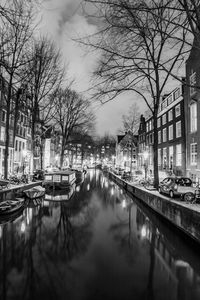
155, 150
7, 129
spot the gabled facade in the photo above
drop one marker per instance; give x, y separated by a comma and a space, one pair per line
127, 151
192, 109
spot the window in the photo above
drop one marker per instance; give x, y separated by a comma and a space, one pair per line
16, 145
164, 104
177, 93
171, 132
170, 99
150, 125
178, 129
193, 117
193, 153
159, 137
192, 83
170, 115
164, 158
159, 157
3, 116
171, 154
164, 119
164, 135
2, 138
177, 110
178, 155
11, 136
158, 123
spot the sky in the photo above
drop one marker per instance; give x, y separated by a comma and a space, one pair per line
63, 21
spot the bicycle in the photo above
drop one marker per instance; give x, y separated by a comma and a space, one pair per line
147, 183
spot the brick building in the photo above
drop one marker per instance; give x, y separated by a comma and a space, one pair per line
171, 136
192, 109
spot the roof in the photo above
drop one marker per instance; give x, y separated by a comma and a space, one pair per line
120, 137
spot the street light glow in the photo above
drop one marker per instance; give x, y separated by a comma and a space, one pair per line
145, 154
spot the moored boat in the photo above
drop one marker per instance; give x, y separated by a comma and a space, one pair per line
59, 179
35, 192
11, 206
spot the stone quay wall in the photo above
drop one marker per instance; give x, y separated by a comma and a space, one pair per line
185, 217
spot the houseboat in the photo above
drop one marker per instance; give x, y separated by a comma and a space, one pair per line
59, 179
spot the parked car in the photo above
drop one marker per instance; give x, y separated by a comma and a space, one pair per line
175, 186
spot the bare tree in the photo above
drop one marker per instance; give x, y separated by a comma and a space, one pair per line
71, 112
132, 119
140, 47
44, 75
16, 35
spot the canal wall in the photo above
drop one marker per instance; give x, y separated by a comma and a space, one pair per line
185, 217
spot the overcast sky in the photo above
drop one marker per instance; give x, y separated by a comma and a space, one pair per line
63, 21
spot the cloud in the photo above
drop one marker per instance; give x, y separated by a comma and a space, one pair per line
64, 21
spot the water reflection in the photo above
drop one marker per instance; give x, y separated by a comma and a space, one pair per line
101, 245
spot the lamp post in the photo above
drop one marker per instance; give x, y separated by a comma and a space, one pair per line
145, 155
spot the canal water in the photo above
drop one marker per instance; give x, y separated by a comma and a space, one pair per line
99, 244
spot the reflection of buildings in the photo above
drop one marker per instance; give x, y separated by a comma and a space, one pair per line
181, 278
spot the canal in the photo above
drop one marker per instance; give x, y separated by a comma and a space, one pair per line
100, 244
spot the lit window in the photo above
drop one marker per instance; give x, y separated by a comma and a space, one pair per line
178, 129
177, 110
193, 153
2, 138
170, 132
193, 117
192, 83
164, 135
164, 158
171, 154
178, 155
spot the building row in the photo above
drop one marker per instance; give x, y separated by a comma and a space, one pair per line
178, 125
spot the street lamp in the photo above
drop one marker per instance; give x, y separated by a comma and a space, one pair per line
145, 155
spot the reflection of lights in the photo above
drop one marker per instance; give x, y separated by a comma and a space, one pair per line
181, 263
112, 191
143, 231
88, 187
46, 203
145, 154
23, 227
124, 203
78, 188
29, 215
1, 232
